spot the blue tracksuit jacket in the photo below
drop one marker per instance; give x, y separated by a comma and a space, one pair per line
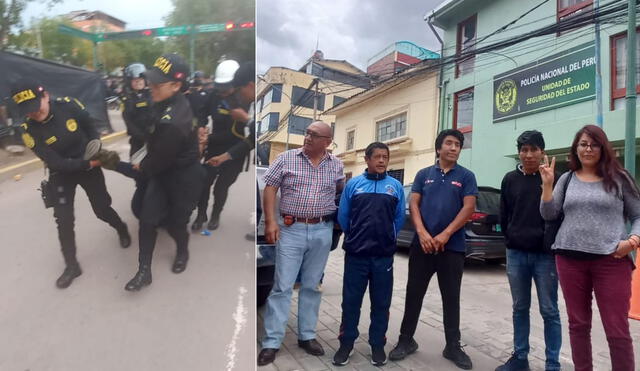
371, 212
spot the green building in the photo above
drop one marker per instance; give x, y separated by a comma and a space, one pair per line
545, 83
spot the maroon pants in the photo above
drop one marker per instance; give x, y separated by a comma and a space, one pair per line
610, 279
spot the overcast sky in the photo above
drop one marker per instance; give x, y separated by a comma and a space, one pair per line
346, 29
137, 14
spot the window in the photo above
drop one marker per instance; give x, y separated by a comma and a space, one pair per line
465, 43
270, 122
570, 8
337, 100
463, 114
299, 124
392, 127
619, 69
351, 135
397, 174
273, 95
304, 98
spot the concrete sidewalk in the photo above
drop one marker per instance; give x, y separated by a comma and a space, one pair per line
486, 325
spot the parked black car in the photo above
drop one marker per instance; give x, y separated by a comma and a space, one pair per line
483, 233
265, 253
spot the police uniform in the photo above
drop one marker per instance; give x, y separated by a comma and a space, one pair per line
60, 141
225, 134
136, 115
172, 172
198, 100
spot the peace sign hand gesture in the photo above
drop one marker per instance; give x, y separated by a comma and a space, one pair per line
547, 171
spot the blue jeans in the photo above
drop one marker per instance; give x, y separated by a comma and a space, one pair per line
301, 248
377, 273
522, 267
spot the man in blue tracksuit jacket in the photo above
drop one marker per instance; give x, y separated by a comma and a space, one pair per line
371, 212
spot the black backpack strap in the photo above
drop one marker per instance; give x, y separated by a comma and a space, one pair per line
565, 186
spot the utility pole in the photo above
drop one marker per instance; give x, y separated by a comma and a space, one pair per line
599, 118
39, 41
630, 99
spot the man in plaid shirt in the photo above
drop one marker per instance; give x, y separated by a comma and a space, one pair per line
308, 179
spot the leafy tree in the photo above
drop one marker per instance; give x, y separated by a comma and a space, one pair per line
211, 47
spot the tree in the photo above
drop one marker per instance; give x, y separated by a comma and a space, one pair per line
10, 13
211, 47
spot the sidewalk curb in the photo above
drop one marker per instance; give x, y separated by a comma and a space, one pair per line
33, 164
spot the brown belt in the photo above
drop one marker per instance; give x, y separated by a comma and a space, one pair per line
290, 219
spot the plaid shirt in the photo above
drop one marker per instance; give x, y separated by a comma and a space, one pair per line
305, 191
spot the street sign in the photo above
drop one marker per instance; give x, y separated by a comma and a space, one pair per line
173, 31
214, 27
76, 32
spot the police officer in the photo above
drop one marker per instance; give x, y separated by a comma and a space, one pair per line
58, 131
136, 102
170, 167
229, 119
198, 98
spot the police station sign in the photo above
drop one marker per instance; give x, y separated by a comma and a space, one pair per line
559, 80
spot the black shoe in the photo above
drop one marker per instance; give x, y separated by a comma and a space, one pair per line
455, 354
514, 364
214, 223
141, 279
124, 236
341, 357
70, 272
311, 347
403, 349
197, 224
180, 262
266, 356
378, 356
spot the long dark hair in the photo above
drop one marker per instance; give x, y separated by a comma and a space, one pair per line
609, 168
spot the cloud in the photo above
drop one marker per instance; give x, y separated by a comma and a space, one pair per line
288, 30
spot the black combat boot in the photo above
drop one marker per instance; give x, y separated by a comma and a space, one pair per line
124, 236
214, 223
197, 224
180, 262
141, 279
70, 272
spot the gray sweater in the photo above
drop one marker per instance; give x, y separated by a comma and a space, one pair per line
594, 219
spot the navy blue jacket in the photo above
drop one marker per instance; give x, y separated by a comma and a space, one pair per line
371, 212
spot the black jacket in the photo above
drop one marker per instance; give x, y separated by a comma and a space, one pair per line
522, 224
173, 142
136, 112
61, 139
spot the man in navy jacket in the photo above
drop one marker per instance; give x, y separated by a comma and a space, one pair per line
372, 211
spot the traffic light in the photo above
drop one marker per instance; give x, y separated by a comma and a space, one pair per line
229, 26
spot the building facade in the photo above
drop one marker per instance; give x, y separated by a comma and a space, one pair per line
545, 83
286, 99
95, 21
401, 112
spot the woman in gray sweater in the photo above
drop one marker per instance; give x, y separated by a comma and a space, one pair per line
592, 246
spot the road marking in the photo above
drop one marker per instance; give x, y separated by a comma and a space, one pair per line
240, 317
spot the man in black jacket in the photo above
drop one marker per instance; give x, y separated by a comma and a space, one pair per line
171, 167
58, 131
527, 257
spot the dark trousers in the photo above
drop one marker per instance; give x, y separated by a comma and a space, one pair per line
609, 280
449, 266
223, 176
168, 200
64, 185
377, 273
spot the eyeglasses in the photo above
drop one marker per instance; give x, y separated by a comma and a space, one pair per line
314, 135
593, 146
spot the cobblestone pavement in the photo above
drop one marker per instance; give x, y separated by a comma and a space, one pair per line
485, 325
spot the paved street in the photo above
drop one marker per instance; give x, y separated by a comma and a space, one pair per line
202, 319
485, 325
